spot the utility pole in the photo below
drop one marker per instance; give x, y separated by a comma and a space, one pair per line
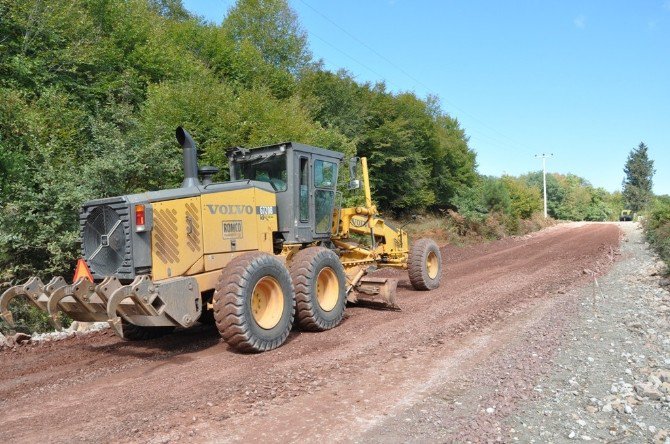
544, 177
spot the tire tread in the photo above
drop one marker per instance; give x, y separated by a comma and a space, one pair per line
416, 264
229, 300
302, 268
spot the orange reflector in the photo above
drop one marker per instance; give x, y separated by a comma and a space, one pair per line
139, 217
82, 271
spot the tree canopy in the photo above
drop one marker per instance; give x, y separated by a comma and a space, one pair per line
272, 27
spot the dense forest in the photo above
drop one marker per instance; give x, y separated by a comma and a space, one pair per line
91, 92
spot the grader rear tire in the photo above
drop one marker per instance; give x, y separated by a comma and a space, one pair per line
254, 302
320, 288
424, 264
132, 332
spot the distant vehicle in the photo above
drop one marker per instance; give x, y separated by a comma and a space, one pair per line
626, 216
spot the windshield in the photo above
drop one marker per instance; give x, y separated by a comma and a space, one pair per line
270, 169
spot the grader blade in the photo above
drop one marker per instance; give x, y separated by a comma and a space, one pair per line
375, 292
34, 290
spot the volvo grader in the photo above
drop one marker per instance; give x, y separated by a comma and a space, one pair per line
255, 254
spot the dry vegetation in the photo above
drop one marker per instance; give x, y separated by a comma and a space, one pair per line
452, 228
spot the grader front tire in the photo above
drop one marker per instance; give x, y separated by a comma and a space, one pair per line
320, 288
424, 265
254, 303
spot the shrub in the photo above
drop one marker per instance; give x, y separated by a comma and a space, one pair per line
657, 227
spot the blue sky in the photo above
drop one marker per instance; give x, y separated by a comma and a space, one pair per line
584, 80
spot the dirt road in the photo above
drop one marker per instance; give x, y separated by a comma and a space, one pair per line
352, 383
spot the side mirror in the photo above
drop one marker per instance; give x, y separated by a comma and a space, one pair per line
354, 183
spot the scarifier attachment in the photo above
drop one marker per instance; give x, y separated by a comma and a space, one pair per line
143, 302
142, 294
375, 292
83, 292
34, 290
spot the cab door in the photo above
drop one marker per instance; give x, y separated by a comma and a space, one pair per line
324, 181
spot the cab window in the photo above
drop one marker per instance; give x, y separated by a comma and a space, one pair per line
325, 174
271, 169
303, 203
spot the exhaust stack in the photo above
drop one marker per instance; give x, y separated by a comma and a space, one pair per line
190, 158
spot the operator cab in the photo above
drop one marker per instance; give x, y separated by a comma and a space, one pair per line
304, 179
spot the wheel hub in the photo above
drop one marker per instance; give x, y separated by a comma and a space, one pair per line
267, 302
327, 289
432, 265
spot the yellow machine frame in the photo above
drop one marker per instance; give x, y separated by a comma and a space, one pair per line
387, 247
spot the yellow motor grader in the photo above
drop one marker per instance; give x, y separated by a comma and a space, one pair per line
255, 254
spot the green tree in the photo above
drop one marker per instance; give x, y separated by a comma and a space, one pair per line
570, 197
392, 142
334, 100
272, 27
524, 199
495, 195
455, 163
599, 208
614, 204
556, 191
469, 202
418, 154
637, 184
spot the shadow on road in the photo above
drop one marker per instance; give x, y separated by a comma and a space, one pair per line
181, 342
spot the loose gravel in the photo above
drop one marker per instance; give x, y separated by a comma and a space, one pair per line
610, 377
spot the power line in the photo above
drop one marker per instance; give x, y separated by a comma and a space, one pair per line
350, 56
507, 146
473, 132
390, 62
399, 68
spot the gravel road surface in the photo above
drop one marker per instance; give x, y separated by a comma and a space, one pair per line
482, 358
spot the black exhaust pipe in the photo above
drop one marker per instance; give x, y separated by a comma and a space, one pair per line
190, 158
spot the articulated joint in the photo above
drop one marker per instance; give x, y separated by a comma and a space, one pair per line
371, 211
